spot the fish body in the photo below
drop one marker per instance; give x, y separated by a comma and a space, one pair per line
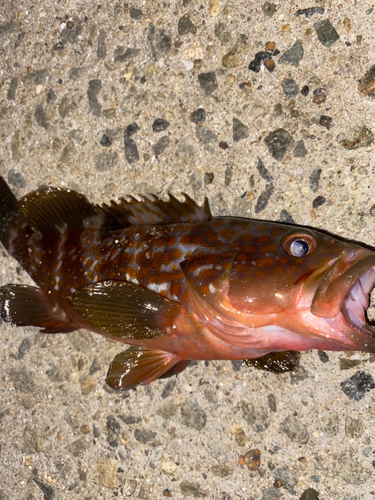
177, 284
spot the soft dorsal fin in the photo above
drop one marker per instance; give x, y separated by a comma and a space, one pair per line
126, 310
157, 211
48, 209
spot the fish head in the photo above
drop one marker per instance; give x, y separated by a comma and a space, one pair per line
296, 280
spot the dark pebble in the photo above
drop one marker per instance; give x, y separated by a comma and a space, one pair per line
300, 151
228, 175
159, 41
95, 87
113, 431
237, 365
48, 491
19, 40
131, 151
323, 356
130, 419
54, 374
66, 106
325, 121
122, 55
106, 141
286, 217
51, 96
24, 348
185, 26
135, 13
286, 478
356, 386
198, 116
357, 137
314, 179
168, 388
318, 202
367, 82
310, 494
144, 435
106, 160
269, 9
311, 11
16, 179
41, 117
223, 145
36, 77
95, 366
293, 55
295, 430
271, 400
101, 50
251, 458
305, 91
208, 82
12, 89
259, 58
290, 88
319, 96
240, 131
327, 35
159, 125
208, 177
76, 73
130, 130
161, 145
263, 172
279, 142
193, 415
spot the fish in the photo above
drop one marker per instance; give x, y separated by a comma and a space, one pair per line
177, 284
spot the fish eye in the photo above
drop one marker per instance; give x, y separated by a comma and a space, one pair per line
299, 245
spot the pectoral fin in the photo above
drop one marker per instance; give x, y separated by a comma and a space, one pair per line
23, 305
138, 365
126, 310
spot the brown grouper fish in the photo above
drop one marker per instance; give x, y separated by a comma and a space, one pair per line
177, 284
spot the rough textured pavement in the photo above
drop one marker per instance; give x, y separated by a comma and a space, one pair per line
266, 108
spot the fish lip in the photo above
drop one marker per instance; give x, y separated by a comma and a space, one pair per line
356, 303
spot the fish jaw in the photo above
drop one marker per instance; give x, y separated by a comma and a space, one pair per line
339, 300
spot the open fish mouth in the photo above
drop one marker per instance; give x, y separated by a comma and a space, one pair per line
356, 302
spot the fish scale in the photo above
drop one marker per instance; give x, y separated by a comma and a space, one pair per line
177, 284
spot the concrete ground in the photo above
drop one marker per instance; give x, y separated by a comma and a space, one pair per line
267, 109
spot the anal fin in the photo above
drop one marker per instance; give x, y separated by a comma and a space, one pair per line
22, 305
276, 362
138, 365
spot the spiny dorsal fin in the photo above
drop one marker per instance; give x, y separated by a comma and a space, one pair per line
157, 211
126, 310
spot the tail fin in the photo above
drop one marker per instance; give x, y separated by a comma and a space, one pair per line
14, 229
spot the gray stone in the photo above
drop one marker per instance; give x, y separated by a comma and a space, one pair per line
144, 435
314, 179
93, 90
357, 137
255, 415
279, 143
192, 489
55, 374
24, 348
23, 380
353, 427
168, 388
159, 41
41, 117
240, 131
310, 494
113, 431
318, 201
263, 198
135, 13
168, 410
33, 442
17, 147
106, 160
208, 82
66, 106
358, 385
290, 88
38, 77
101, 51
283, 474
122, 56
286, 217
72, 31
269, 9
293, 55
185, 26
160, 124
207, 138
300, 151
327, 35
198, 116
295, 430
12, 89
193, 415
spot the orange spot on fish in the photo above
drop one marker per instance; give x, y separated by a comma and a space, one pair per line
246, 237
269, 249
211, 259
265, 261
171, 241
260, 274
160, 242
204, 290
176, 289
130, 258
241, 257
185, 240
197, 239
161, 278
263, 239
283, 261
219, 223
278, 270
166, 259
241, 267
139, 258
176, 253
132, 272
276, 231
211, 236
177, 275
249, 248
208, 273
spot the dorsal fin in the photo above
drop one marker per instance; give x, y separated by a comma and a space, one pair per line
157, 211
48, 209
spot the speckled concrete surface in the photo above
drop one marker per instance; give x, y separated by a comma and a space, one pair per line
288, 139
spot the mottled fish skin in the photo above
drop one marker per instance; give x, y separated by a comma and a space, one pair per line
178, 284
